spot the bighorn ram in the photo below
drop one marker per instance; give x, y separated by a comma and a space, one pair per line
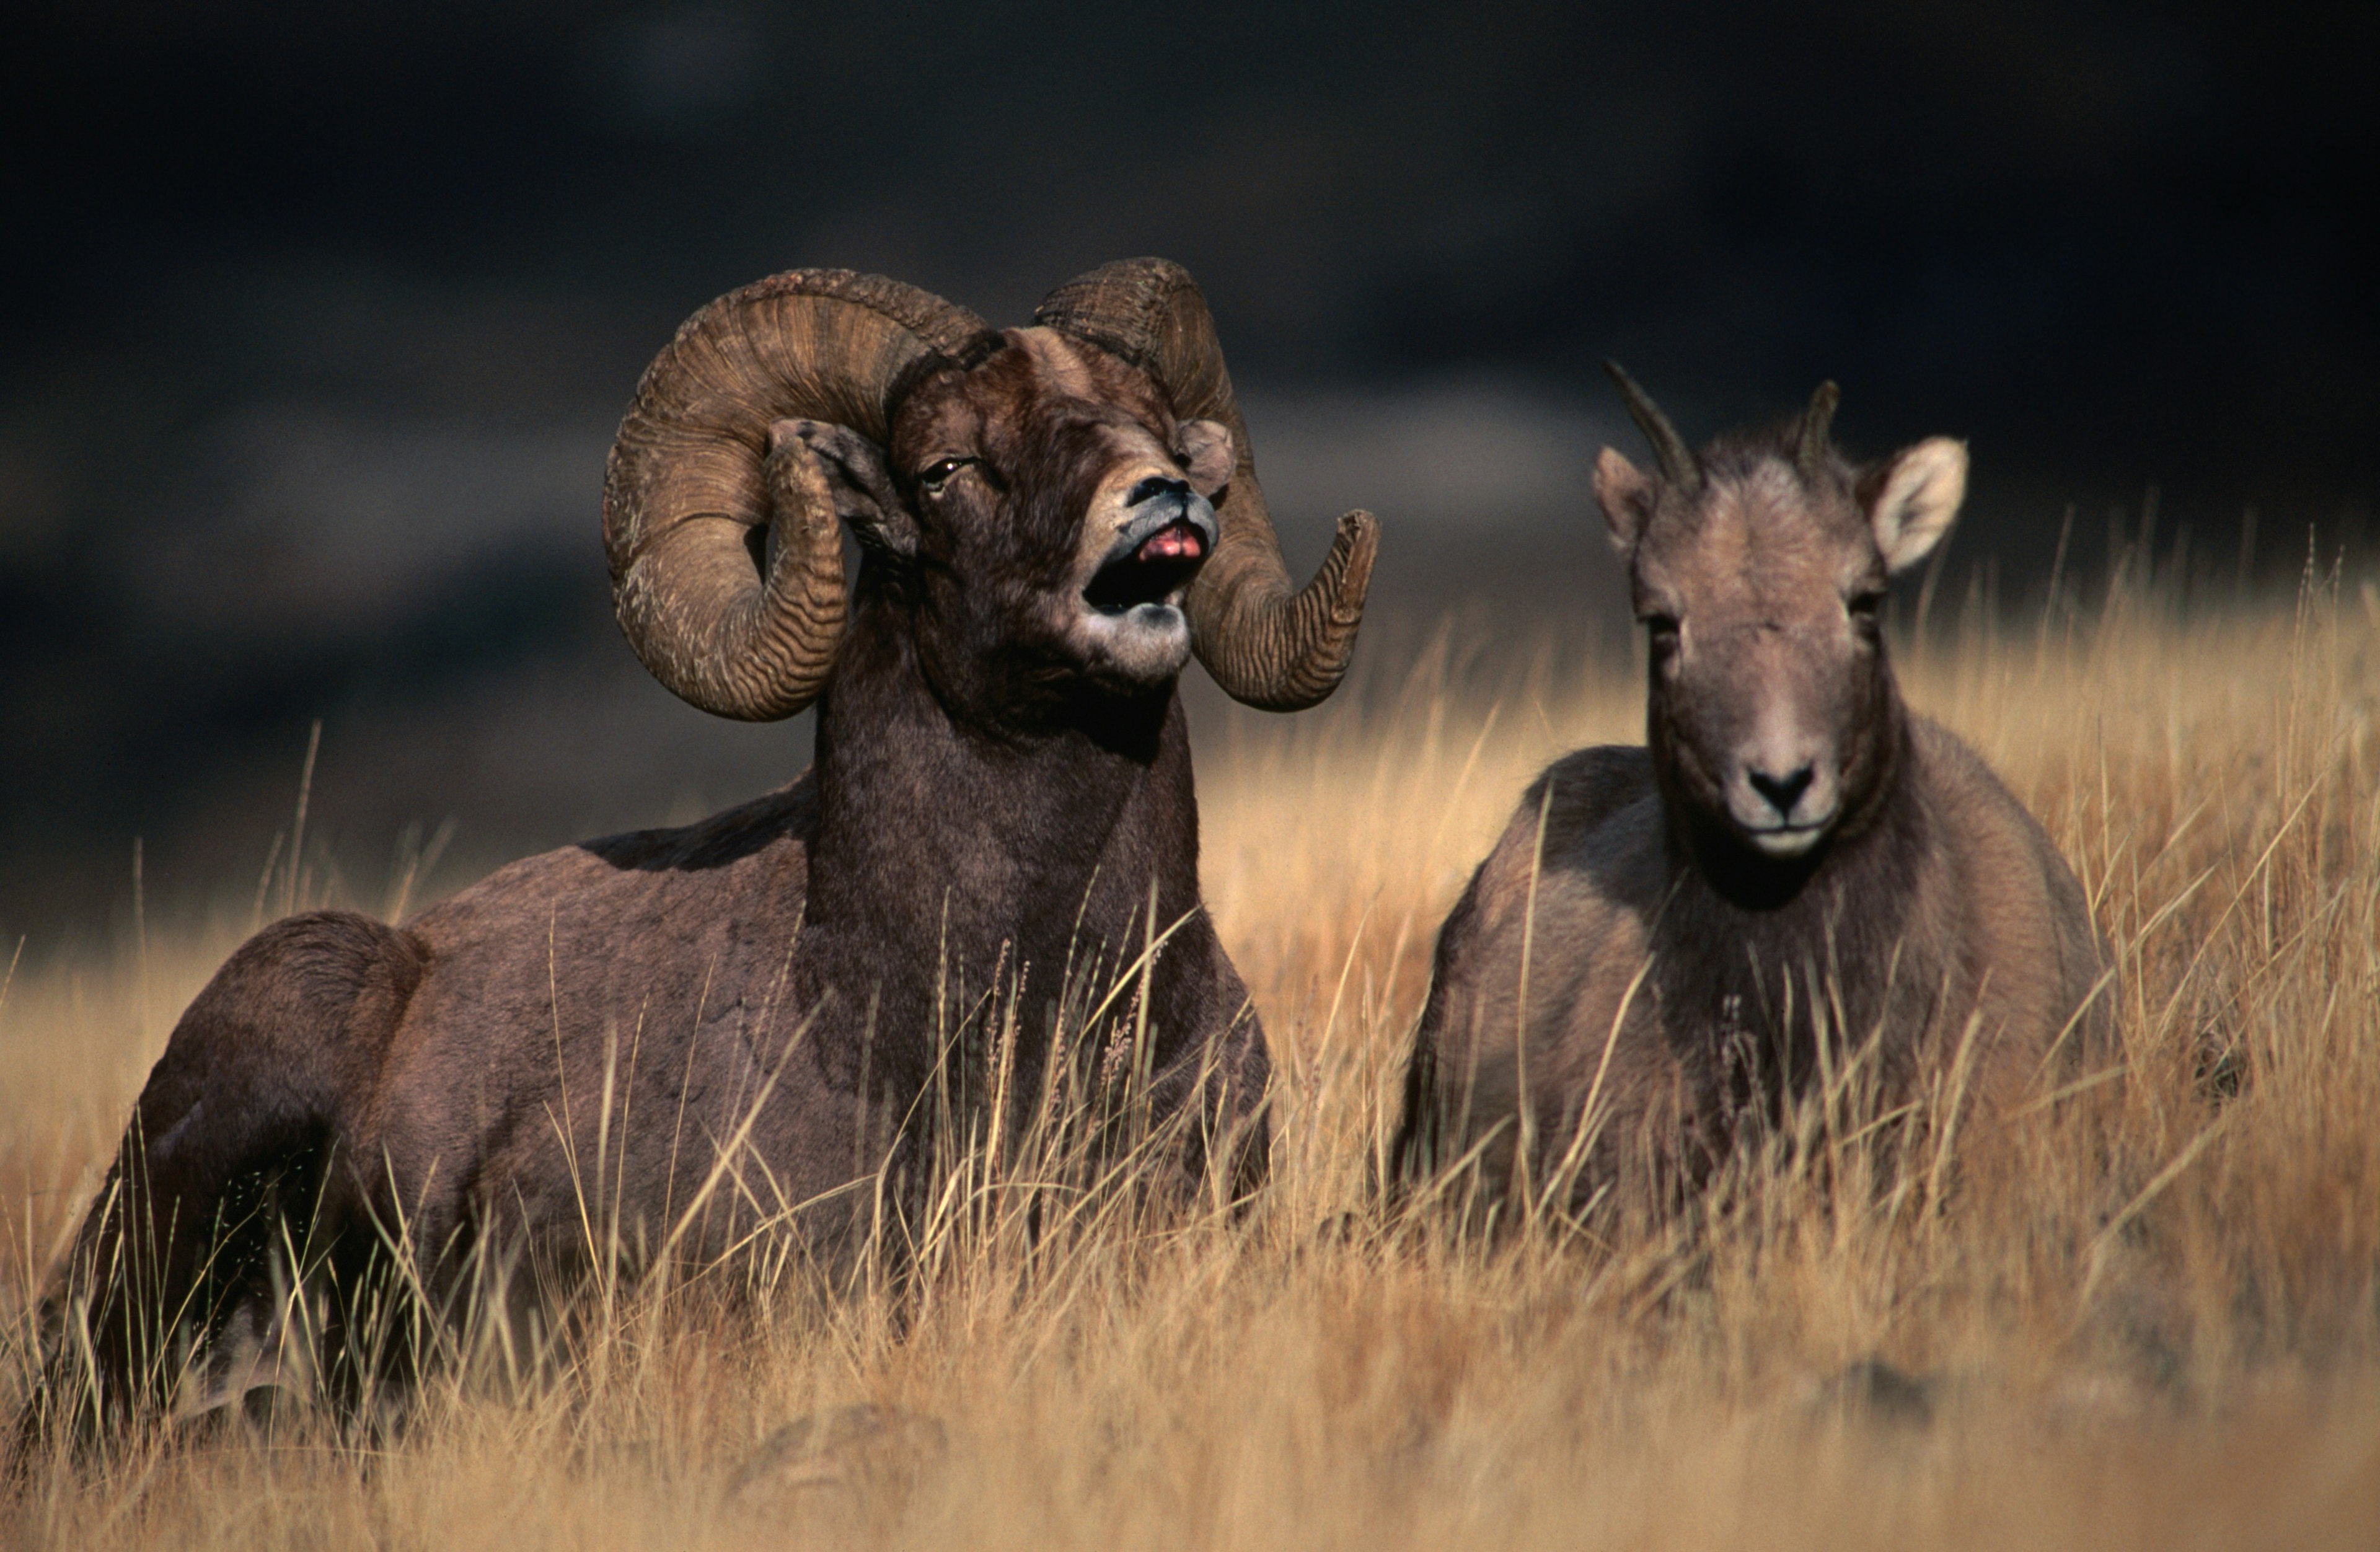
1050, 520
1795, 876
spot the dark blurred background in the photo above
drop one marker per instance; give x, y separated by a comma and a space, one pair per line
317, 320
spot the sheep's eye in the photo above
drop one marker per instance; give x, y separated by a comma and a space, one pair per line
1661, 629
938, 474
1864, 608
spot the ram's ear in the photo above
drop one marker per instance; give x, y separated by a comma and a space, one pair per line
858, 479
1912, 497
1206, 453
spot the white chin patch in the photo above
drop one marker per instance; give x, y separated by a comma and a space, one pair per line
1786, 842
1163, 617
1146, 642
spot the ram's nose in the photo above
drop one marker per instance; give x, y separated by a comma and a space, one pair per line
1156, 486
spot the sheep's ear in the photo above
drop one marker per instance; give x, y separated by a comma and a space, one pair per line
859, 482
1626, 495
1911, 500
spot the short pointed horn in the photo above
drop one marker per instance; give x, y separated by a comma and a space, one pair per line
1270, 644
740, 625
1676, 460
1810, 452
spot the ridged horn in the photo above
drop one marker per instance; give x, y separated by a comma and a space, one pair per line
1810, 451
1268, 643
1676, 460
739, 627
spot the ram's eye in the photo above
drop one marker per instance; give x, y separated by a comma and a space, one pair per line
1865, 609
1661, 629
938, 474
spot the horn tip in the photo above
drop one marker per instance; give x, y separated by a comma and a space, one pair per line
1811, 438
1359, 538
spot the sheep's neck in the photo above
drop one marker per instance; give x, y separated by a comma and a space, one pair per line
952, 856
1753, 980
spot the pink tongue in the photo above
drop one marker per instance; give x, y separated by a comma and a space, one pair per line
1179, 542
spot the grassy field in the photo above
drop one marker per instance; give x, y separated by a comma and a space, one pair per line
2152, 1320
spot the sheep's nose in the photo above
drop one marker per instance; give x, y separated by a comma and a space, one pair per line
1782, 792
1156, 485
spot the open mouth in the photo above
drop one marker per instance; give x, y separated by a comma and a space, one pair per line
1151, 562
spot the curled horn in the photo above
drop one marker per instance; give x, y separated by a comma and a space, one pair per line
1810, 451
726, 556
1676, 460
1269, 643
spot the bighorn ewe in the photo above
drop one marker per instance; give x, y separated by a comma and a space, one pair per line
691, 1030
1673, 941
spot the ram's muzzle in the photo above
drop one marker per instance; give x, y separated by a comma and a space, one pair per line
1155, 554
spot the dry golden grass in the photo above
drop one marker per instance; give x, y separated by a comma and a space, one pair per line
2152, 1318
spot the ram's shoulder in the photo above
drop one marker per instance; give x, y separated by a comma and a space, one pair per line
758, 849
